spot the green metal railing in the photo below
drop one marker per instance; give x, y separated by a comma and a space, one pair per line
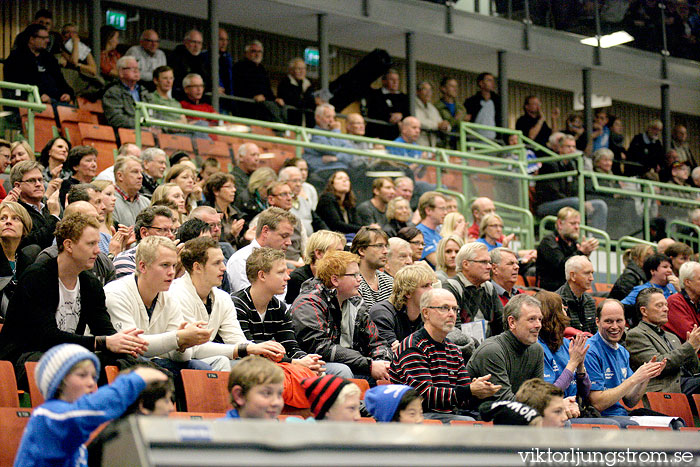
683, 237
32, 104
628, 242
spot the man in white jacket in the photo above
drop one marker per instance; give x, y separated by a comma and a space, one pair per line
200, 300
142, 300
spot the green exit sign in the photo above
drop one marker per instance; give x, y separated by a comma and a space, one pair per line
311, 56
116, 19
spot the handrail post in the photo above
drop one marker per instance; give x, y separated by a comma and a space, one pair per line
581, 190
30, 128
137, 129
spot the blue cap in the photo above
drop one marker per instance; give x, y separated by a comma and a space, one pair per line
382, 401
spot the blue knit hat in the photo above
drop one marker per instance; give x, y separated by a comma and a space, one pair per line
55, 364
382, 401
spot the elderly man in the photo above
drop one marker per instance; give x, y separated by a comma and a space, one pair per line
324, 165
659, 273
187, 58
301, 206
533, 123
252, 81
646, 150
280, 195
225, 63
371, 245
410, 131
513, 357
247, 162
119, 100
193, 85
148, 55
484, 107
430, 363
679, 142
129, 177
504, 273
154, 165
432, 210
556, 247
430, 119
126, 149
648, 339
398, 256
387, 104
578, 303
296, 90
476, 295
608, 366
684, 306
373, 211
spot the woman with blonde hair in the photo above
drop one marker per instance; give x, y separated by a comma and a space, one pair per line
398, 214
107, 230
633, 275
184, 176
454, 224
447, 250
15, 224
20, 151
173, 193
490, 231
258, 184
317, 245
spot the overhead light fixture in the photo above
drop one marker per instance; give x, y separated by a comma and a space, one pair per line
609, 40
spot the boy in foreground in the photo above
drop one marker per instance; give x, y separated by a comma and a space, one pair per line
256, 385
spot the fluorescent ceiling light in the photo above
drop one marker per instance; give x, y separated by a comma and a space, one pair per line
609, 40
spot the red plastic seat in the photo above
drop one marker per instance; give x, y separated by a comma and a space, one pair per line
196, 415
112, 372
102, 138
671, 404
362, 384
649, 428
172, 143
8, 385
206, 391
127, 135
471, 423
69, 118
12, 424
34, 394
44, 126
593, 426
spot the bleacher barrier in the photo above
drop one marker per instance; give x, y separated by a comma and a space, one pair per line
33, 104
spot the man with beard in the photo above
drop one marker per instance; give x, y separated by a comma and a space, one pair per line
372, 245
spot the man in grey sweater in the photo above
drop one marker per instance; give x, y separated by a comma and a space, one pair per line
514, 356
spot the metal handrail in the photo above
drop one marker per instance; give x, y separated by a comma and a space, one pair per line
31, 106
682, 237
621, 247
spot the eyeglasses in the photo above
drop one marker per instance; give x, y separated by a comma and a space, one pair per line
356, 275
164, 230
417, 243
215, 225
33, 181
381, 246
445, 308
481, 261
286, 194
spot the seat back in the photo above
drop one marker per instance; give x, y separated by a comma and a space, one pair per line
8, 385
206, 391
218, 150
171, 143
362, 384
44, 126
102, 138
69, 118
34, 394
127, 135
111, 371
671, 404
594, 426
649, 428
471, 423
12, 424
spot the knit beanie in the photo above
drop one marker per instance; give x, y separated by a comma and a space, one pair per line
507, 413
382, 401
55, 364
322, 393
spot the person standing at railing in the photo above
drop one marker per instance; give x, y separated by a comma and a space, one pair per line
188, 58
430, 119
533, 122
119, 100
484, 107
450, 110
149, 56
296, 90
387, 104
251, 80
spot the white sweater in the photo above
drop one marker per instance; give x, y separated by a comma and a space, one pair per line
127, 311
223, 320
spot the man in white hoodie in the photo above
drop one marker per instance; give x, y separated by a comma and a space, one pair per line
142, 301
201, 301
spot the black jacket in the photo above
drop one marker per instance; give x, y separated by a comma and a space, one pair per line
184, 63
392, 324
296, 278
551, 257
473, 105
43, 226
631, 277
329, 210
43, 71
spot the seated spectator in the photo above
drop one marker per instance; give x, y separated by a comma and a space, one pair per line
558, 246
580, 306
192, 228
608, 366
257, 192
490, 231
296, 90
450, 110
163, 78
31, 63
404, 189
371, 245
52, 157
504, 273
326, 306
333, 398
154, 220
409, 133
82, 162
447, 250
679, 253
15, 224
149, 57
170, 337
44, 18
679, 143
453, 224
472, 288
274, 229
129, 203
432, 365
683, 310
107, 229
649, 339
415, 238
617, 143
213, 218
430, 119
247, 161
20, 151
431, 207
308, 191
633, 274
171, 193
220, 193
389, 105
399, 316
74, 407
253, 82
484, 107
5, 148
574, 127
256, 387
126, 149
373, 211
79, 67
187, 58
603, 161
678, 175
183, 175
398, 216
193, 86
119, 100
398, 256
547, 399
533, 122
645, 152
154, 165
109, 38
225, 67
513, 357
266, 269
28, 190
394, 403
317, 245
480, 207
336, 205
301, 205
659, 273
57, 301
601, 132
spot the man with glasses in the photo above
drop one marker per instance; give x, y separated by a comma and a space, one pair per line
188, 58
129, 178
154, 164
476, 295
31, 63
433, 365
119, 100
154, 220
329, 320
301, 206
280, 195
432, 209
149, 56
372, 246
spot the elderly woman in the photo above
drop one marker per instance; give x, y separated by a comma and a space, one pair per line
20, 151
15, 224
52, 158
633, 275
398, 215
173, 193
336, 206
447, 250
317, 245
220, 192
454, 224
82, 162
415, 237
183, 175
490, 231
